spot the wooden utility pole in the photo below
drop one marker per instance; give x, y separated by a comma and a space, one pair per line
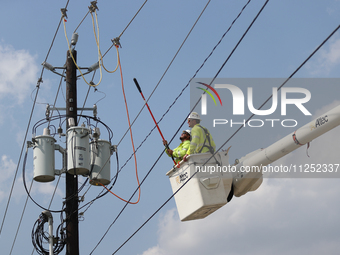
72, 227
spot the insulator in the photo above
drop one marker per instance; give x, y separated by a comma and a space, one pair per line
74, 39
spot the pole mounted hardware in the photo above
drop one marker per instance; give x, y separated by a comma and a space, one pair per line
63, 12
93, 6
50, 108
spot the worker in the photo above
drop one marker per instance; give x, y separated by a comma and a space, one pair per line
181, 150
201, 140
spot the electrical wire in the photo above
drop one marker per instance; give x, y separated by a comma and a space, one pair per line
101, 58
16, 171
101, 195
175, 133
133, 146
116, 40
75, 30
98, 30
39, 237
303, 63
37, 88
29, 122
202, 64
28, 193
130, 128
168, 67
185, 87
87, 94
22, 216
132, 19
97, 41
233, 22
55, 189
53, 118
71, 54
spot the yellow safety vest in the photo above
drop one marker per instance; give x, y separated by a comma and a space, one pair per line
201, 140
179, 152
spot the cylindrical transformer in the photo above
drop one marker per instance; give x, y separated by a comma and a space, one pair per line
43, 158
100, 151
78, 156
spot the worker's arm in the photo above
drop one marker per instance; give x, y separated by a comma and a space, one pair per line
181, 150
167, 151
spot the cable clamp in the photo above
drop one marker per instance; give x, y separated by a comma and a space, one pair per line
63, 12
116, 42
29, 144
47, 113
81, 216
40, 80
93, 6
113, 149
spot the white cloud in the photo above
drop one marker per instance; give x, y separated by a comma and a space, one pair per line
18, 72
284, 216
326, 60
7, 169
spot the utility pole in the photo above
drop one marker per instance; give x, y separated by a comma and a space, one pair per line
72, 227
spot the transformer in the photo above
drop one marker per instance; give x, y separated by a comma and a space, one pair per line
78, 156
43, 157
100, 151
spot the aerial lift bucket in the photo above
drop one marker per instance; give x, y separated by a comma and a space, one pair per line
204, 184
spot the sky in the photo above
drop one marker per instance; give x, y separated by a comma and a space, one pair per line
283, 216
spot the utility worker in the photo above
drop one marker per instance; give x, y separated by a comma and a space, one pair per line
181, 150
201, 140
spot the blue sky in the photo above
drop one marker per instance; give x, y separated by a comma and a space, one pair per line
284, 216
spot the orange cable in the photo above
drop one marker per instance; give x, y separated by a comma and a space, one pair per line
133, 146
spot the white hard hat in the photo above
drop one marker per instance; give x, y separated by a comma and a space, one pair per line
188, 131
194, 116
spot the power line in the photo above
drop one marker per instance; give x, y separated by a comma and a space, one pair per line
303, 63
182, 44
244, 34
151, 95
181, 124
185, 87
29, 122
168, 67
22, 216
116, 40
16, 172
132, 19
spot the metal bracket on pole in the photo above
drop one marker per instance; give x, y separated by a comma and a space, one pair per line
52, 108
64, 153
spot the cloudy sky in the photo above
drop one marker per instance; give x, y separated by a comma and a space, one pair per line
284, 216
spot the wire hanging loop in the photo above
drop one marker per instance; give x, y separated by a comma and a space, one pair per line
97, 42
